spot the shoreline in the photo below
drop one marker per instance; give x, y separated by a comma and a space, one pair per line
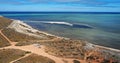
1, 16
19, 21
16, 22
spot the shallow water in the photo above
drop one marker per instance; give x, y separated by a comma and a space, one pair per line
101, 29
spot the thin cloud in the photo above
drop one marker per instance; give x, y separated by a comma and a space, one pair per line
78, 2
10, 2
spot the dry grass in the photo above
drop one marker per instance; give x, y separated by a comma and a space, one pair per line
4, 22
8, 55
33, 58
27, 43
3, 42
24, 43
17, 37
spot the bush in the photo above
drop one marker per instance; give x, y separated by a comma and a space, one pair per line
76, 61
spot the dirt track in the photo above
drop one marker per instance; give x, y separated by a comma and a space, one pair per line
33, 49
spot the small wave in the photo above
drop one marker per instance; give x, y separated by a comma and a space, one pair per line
54, 22
80, 25
63, 23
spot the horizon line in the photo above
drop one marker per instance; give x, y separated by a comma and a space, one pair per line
13, 12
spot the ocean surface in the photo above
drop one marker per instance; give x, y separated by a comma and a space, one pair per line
97, 28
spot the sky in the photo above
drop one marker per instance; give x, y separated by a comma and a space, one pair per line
61, 5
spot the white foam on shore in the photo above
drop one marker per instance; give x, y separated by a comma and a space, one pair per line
1, 16
112, 49
89, 46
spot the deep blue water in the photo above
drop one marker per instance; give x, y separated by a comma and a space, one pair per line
98, 28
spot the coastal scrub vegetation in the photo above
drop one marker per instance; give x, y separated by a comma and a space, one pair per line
16, 36
20, 37
66, 48
77, 49
76, 61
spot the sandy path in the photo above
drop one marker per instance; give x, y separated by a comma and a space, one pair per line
5, 37
12, 43
31, 48
36, 50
